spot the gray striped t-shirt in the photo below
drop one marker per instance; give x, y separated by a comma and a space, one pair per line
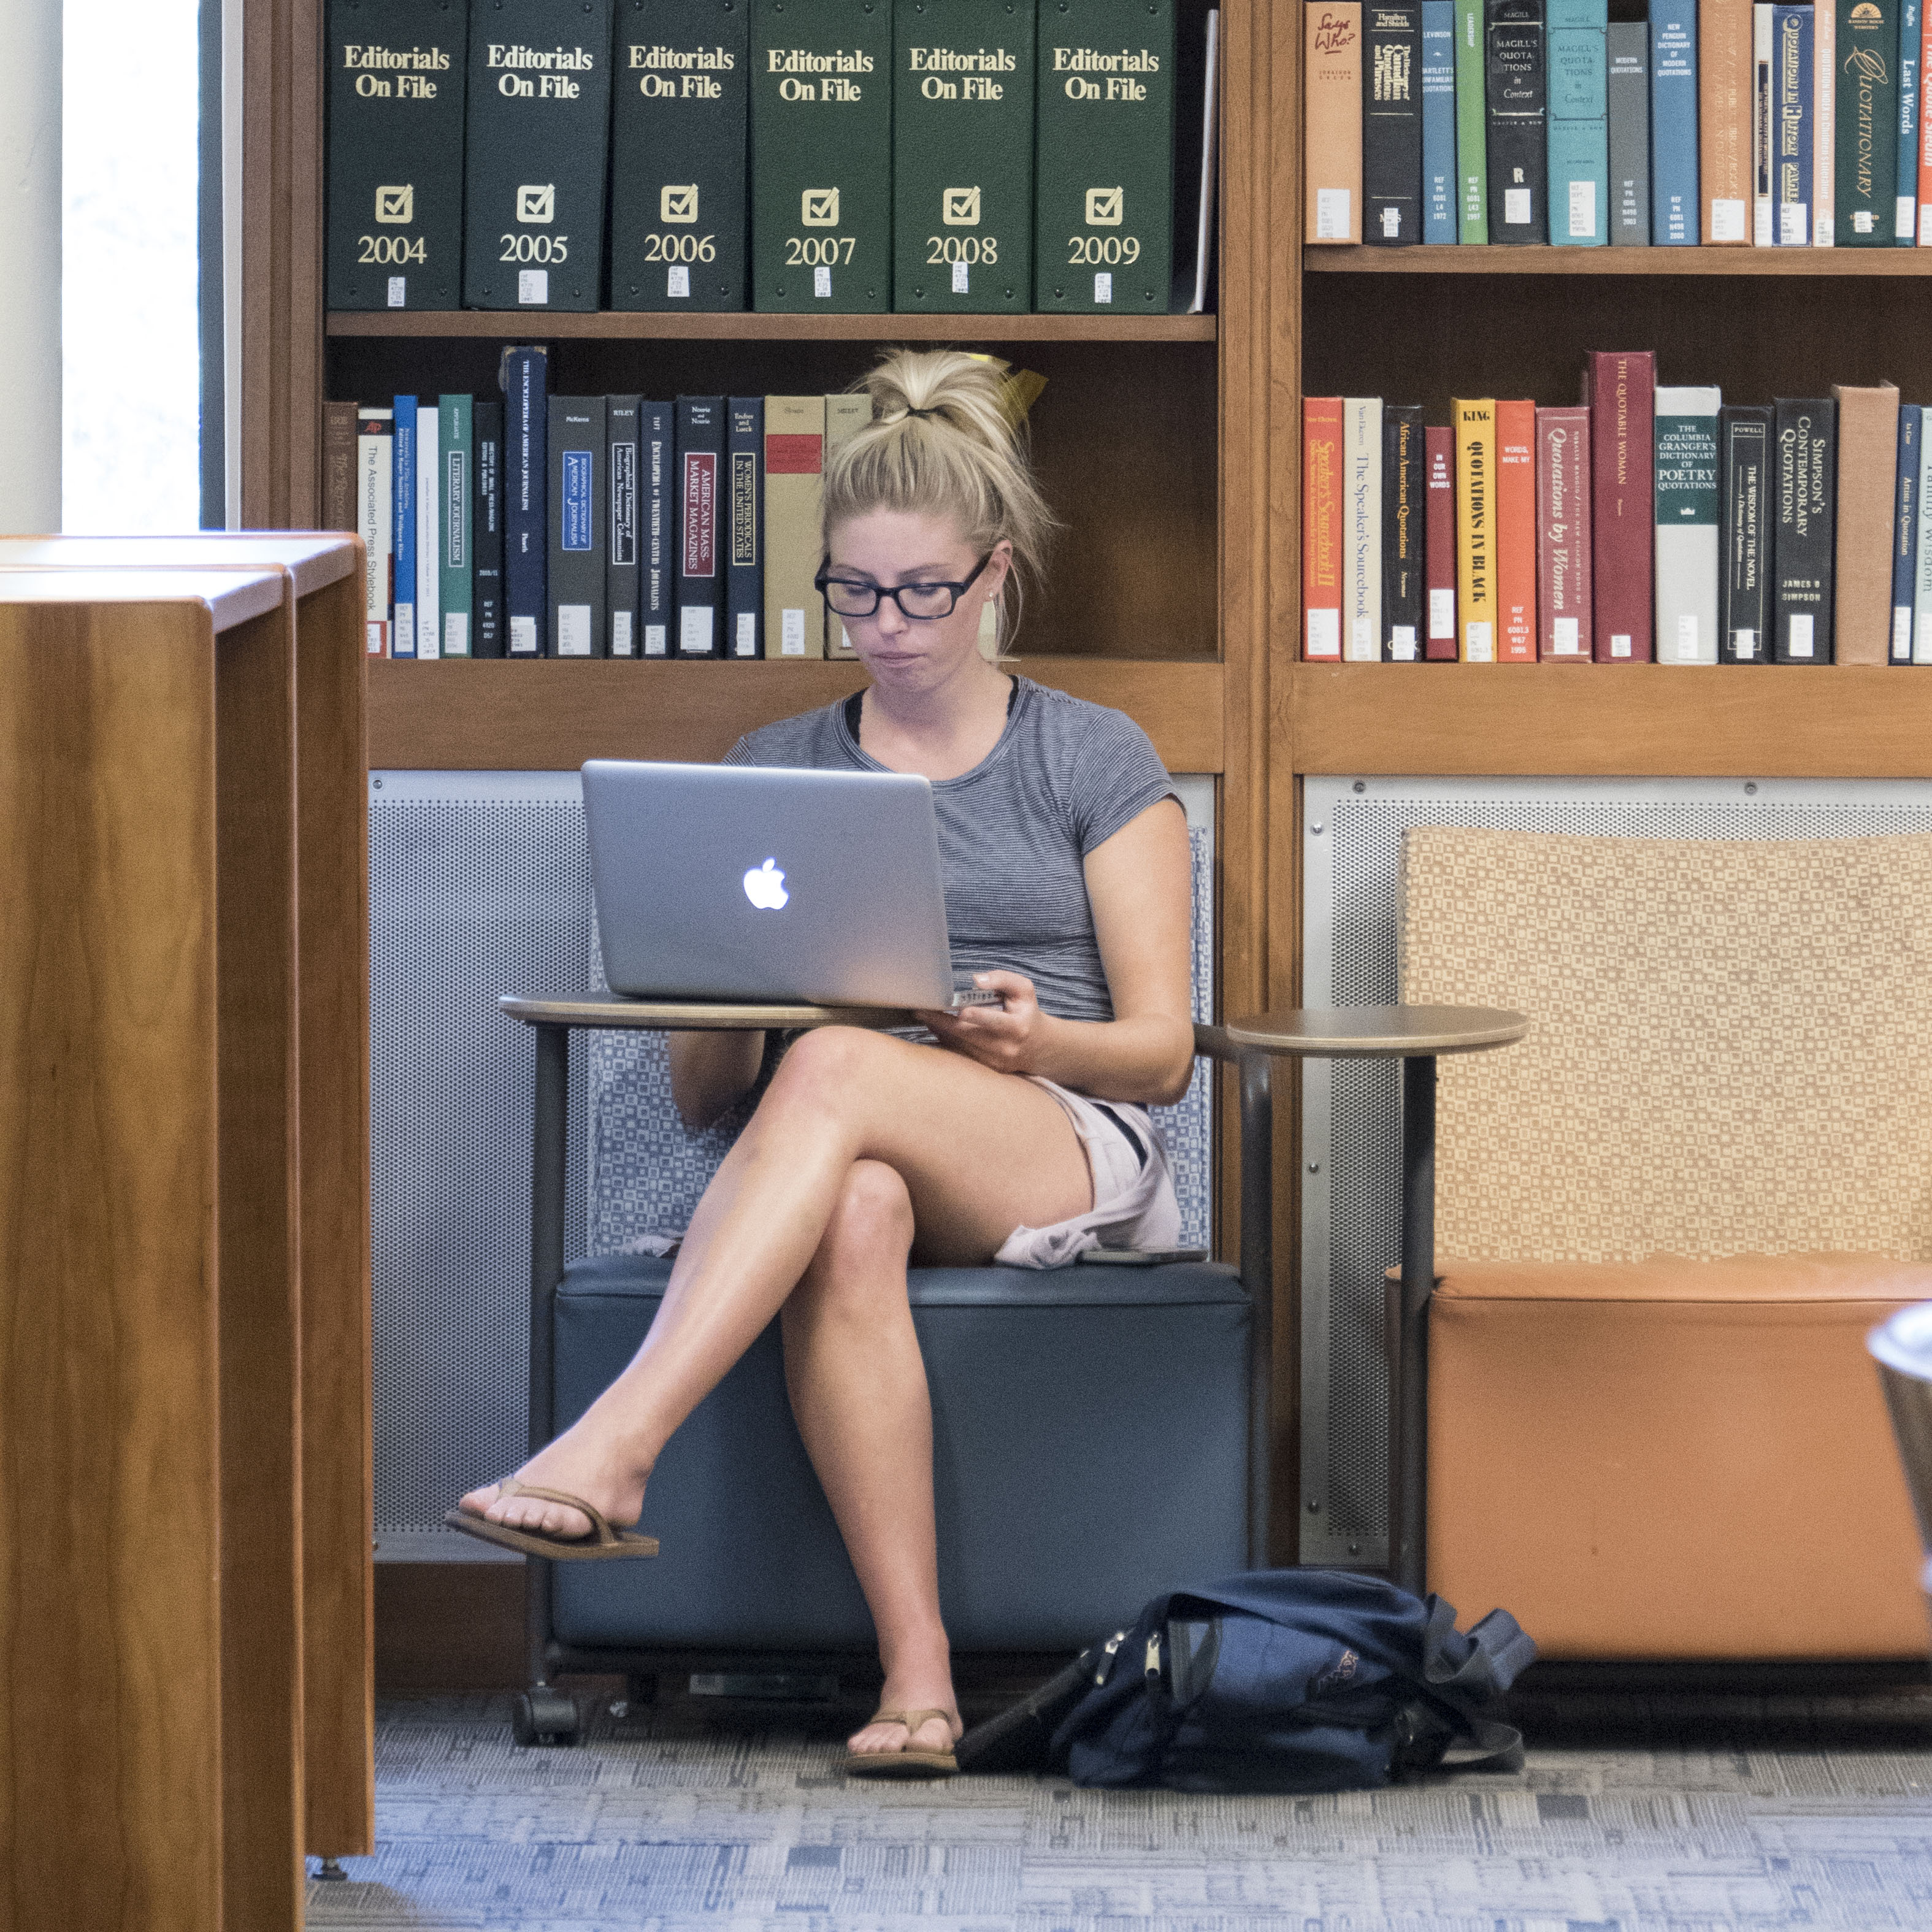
1065, 776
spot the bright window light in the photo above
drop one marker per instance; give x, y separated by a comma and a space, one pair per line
130, 289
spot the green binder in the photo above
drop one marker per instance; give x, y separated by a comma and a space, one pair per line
1104, 201
962, 155
822, 157
455, 519
1472, 124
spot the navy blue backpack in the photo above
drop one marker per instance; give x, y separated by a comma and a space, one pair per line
1272, 1680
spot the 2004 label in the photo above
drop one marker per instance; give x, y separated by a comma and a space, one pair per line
392, 249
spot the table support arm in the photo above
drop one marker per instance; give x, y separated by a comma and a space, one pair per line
549, 1133
1409, 1408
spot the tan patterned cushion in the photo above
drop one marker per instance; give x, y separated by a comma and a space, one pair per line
1731, 1051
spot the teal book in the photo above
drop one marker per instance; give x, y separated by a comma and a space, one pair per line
456, 522
1579, 145
1472, 123
1104, 167
821, 157
1866, 119
962, 155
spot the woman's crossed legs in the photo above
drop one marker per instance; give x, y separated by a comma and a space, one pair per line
864, 1148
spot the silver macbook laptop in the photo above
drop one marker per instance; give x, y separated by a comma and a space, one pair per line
750, 882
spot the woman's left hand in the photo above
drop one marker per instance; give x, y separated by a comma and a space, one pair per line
1007, 1037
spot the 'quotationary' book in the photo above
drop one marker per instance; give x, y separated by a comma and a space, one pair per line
1321, 547
1866, 163
680, 85
538, 142
1475, 423
1805, 467
1744, 533
1686, 509
1332, 60
962, 155
1563, 532
1618, 390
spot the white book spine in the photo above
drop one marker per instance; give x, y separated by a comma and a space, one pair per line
1921, 574
429, 537
1362, 522
1824, 124
374, 514
1687, 461
1764, 121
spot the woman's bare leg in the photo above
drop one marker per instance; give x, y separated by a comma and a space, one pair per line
859, 1390
980, 1153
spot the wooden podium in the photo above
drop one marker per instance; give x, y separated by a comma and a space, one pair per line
185, 1459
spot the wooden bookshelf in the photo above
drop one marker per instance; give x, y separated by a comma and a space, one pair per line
1509, 259
606, 326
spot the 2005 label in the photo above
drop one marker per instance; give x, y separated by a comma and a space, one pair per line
535, 248
680, 247
392, 249
1102, 251
971, 249
818, 251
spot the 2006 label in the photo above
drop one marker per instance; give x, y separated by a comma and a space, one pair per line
818, 251
392, 249
971, 249
680, 247
1102, 251
535, 248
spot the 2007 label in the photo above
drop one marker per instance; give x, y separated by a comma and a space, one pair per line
814, 251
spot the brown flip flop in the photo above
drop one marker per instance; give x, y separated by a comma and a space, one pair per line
604, 1542
903, 1763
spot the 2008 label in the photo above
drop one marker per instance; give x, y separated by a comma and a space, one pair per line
971, 249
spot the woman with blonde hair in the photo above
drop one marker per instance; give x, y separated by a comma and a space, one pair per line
1015, 1133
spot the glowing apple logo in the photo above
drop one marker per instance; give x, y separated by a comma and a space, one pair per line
764, 887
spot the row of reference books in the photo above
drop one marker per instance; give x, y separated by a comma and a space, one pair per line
587, 527
1643, 523
1584, 123
844, 156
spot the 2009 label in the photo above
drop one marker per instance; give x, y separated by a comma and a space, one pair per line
971, 249
535, 248
818, 251
392, 249
680, 247
1102, 251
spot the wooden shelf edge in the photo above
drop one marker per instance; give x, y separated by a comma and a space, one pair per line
1509, 259
1604, 720
550, 715
608, 326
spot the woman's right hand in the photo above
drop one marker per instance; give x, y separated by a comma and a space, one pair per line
711, 1073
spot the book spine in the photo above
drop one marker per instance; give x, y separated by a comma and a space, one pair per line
1580, 154
1402, 533
1673, 123
745, 577
1472, 123
1922, 590
964, 90
1791, 150
1764, 121
1621, 395
1824, 109
375, 522
680, 83
1439, 548
338, 466
1866, 483
657, 513
456, 522
1332, 152
1686, 509
539, 106
1519, 113
1744, 578
1905, 535
794, 481
1866, 165
1362, 529
402, 546
395, 142
578, 561
1515, 548
1392, 122
1925, 130
1438, 121
622, 572
1563, 533
429, 543
525, 377
1321, 541
845, 415
1801, 549
487, 526
1626, 104
1724, 93
1475, 529
701, 456
1905, 214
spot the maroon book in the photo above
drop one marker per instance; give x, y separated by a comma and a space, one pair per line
1620, 391
1563, 535
1438, 553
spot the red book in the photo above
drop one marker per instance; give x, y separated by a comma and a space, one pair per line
1439, 555
1620, 391
1516, 533
1563, 533
1321, 526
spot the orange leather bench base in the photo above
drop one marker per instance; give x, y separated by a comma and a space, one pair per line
1673, 1458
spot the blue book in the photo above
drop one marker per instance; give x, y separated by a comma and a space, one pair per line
1579, 131
1791, 137
525, 375
1906, 231
1905, 536
745, 526
1673, 124
1439, 121
403, 504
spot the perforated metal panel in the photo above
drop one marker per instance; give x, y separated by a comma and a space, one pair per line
1351, 834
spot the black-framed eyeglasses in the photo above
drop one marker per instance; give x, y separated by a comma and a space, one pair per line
859, 597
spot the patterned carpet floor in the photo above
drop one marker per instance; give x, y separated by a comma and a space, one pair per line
1695, 1813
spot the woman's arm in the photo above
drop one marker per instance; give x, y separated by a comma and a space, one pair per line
1139, 882
710, 1072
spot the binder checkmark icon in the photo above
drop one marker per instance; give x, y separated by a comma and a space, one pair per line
819, 208
959, 208
1106, 207
396, 204
679, 203
536, 204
